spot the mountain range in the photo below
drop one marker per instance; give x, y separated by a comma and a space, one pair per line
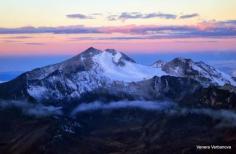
112, 75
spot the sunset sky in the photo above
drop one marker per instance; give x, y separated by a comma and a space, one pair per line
62, 27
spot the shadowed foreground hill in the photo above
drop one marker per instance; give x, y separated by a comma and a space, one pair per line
121, 131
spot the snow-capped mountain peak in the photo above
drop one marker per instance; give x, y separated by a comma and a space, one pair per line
90, 52
85, 72
158, 64
118, 57
87, 54
200, 71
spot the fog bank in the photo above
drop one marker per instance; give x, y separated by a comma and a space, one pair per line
226, 117
146, 105
38, 110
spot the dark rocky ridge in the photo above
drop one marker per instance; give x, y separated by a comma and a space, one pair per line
234, 78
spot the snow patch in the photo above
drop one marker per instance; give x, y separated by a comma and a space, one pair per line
117, 57
228, 78
129, 72
37, 91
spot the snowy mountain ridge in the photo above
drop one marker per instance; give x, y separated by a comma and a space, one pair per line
199, 71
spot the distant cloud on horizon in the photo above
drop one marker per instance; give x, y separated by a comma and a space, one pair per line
79, 29
34, 43
80, 16
17, 37
187, 16
132, 15
138, 15
202, 30
231, 22
123, 16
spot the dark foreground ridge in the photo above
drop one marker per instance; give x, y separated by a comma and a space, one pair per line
121, 131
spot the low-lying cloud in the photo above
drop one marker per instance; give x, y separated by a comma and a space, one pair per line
227, 117
37, 110
146, 105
